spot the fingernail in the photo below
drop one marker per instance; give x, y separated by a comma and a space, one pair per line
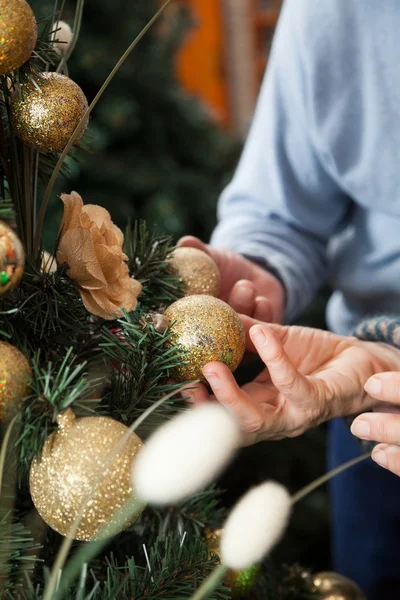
373, 386
380, 458
361, 429
258, 336
244, 295
212, 379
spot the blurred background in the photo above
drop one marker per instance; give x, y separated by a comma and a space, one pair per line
163, 142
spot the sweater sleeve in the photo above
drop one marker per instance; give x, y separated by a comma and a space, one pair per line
283, 204
380, 329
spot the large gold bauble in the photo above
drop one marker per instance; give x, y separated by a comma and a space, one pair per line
196, 270
207, 329
73, 464
48, 113
12, 259
240, 582
18, 34
332, 586
15, 371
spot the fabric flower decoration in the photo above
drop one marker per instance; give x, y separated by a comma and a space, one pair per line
91, 245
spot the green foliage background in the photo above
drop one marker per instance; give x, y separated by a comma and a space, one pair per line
157, 155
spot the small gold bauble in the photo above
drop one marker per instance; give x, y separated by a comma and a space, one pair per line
196, 270
73, 464
48, 113
208, 330
18, 33
15, 371
240, 582
12, 259
332, 586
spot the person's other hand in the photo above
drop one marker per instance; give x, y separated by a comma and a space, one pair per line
311, 376
247, 287
383, 425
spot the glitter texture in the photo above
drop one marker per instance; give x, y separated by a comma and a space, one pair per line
18, 33
48, 114
208, 330
332, 586
72, 460
197, 270
12, 259
240, 582
14, 372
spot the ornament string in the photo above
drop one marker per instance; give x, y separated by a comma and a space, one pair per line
211, 582
78, 128
131, 507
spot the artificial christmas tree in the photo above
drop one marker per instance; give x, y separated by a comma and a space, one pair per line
84, 369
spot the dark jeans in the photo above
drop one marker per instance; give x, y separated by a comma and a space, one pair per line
365, 504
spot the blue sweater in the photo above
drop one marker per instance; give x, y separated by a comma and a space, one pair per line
317, 190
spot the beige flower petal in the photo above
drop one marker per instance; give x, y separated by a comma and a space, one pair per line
77, 250
73, 204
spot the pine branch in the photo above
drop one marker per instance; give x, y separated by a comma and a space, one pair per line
18, 553
148, 262
46, 312
202, 511
176, 568
141, 368
54, 388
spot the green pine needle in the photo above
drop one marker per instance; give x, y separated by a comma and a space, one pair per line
148, 261
142, 365
53, 390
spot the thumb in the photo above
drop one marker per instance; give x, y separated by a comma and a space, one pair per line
192, 242
189, 241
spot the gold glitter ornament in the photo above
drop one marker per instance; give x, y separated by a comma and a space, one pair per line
73, 464
18, 34
12, 259
208, 330
332, 586
197, 270
240, 582
48, 113
15, 371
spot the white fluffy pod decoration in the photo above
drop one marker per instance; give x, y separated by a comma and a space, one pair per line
63, 36
255, 525
186, 454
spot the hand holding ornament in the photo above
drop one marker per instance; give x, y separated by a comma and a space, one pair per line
247, 287
310, 376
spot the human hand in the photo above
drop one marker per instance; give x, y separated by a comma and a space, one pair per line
311, 376
381, 426
248, 288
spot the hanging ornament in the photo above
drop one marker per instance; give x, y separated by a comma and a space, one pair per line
48, 113
73, 465
12, 259
207, 329
15, 371
196, 270
18, 34
240, 582
332, 586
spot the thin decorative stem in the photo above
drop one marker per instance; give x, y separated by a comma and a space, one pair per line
209, 584
3, 451
324, 478
66, 545
88, 551
74, 136
75, 35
